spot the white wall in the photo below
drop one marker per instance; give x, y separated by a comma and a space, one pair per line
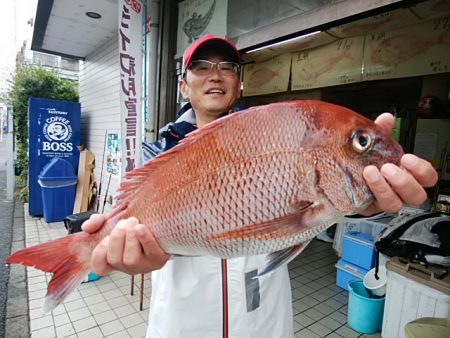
99, 98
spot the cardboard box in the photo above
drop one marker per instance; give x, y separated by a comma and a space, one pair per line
86, 182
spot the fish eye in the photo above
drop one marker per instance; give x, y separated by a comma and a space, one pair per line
361, 141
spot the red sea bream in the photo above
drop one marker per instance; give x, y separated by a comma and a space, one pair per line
264, 180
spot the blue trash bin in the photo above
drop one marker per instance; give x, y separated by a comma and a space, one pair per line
58, 185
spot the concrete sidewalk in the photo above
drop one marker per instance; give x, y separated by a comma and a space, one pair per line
17, 316
105, 308
13, 288
102, 308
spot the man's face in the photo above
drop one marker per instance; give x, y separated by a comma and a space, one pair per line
214, 93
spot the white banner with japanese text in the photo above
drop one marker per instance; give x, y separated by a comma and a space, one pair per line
130, 60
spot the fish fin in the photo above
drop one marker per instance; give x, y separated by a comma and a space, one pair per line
276, 228
59, 258
136, 178
278, 258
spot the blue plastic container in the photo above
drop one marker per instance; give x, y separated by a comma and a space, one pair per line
58, 186
91, 277
347, 272
365, 314
358, 248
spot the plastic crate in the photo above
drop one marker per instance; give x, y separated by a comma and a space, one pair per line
347, 272
358, 248
367, 226
413, 292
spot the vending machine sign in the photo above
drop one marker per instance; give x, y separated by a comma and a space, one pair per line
54, 131
57, 131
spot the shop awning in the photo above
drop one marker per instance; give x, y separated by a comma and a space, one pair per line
74, 28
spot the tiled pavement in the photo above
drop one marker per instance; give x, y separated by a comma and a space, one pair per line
105, 308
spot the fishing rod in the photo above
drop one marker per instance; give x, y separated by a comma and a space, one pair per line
106, 193
101, 172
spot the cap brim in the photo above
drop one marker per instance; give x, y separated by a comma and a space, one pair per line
211, 44
218, 45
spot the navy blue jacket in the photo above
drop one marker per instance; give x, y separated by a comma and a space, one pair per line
171, 134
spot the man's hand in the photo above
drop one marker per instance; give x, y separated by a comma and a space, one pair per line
395, 186
130, 248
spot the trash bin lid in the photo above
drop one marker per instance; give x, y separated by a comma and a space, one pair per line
57, 168
57, 182
360, 237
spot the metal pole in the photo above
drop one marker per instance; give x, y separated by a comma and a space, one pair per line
152, 79
10, 178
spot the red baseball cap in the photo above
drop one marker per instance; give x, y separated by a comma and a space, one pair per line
210, 42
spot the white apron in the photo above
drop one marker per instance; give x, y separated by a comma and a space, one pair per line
188, 299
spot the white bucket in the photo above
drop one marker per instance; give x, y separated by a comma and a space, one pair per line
377, 287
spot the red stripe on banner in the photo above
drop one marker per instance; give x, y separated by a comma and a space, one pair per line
225, 297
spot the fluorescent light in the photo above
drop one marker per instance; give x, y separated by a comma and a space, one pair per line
284, 41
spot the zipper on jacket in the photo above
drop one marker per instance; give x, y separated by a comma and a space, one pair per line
225, 297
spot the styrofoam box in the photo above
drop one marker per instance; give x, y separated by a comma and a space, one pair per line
347, 272
407, 300
358, 248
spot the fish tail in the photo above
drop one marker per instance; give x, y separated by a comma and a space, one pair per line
60, 258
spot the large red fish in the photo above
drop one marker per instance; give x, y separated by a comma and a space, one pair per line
264, 180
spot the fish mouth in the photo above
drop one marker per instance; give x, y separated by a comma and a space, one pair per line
393, 153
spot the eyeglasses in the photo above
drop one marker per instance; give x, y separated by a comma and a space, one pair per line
205, 67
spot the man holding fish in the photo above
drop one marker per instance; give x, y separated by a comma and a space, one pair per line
224, 210
207, 296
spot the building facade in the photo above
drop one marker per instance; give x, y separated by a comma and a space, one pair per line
371, 56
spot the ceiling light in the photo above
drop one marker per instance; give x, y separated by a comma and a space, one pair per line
93, 15
297, 38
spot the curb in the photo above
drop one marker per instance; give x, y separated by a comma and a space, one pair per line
17, 312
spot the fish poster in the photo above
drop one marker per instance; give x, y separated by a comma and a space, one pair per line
197, 18
337, 63
431, 9
268, 77
417, 50
376, 23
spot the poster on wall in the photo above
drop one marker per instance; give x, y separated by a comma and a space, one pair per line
130, 60
267, 77
114, 155
431, 9
337, 63
413, 51
199, 17
376, 23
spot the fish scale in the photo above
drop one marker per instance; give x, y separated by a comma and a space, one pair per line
262, 180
